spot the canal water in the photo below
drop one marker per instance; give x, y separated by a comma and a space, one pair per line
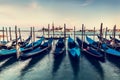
46, 67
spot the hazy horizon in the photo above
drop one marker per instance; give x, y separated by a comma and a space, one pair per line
39, 13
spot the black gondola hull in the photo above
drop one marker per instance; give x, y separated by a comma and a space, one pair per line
96, 57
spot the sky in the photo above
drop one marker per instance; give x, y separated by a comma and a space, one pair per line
39, 13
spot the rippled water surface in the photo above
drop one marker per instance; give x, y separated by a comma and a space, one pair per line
46, 67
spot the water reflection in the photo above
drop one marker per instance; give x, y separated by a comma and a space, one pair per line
8, 63
2, 58
96, 64
57, 62
75, 65
114, 60
34, 60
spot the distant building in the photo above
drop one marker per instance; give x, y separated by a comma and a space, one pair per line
43, 29
2, 36
56, 29
69, 30
118, 30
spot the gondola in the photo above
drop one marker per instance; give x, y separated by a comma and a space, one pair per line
60, 47
116, 40
55, 38
109, 51
12, 52
36, 43
37, 51
9, 44
90, 51
103, 39
94, 44
2, 43
116, 43
110, 43
25, 42
73, 48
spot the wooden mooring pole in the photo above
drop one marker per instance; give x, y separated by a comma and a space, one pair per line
31, 29
43, 31
94, 34
6, 34
101, 28
82, 34
114, 31
34, 34
53, 29
3, 35
106, 32
65, 31
48, 30
16, 35
10, 33
20, 35
74, 32
31, 32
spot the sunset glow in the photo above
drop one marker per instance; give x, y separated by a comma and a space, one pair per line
38, 13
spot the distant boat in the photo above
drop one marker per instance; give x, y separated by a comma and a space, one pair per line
37, 51
60, 47
73, 48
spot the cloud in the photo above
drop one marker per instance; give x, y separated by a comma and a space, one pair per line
18, 2
7, 12
33, 5
86, 3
